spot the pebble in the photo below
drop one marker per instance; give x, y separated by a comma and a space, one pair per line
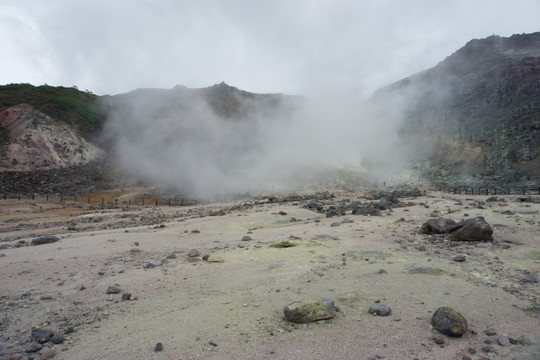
58, 339
488, 349
439, 340
503, 341
41, 336
490, 332
158, 347
459, 258
524, 340
246, 238
114, 289
334, 224
126, 296
193, 253
47, 354
205, 257
33, 347
380, 309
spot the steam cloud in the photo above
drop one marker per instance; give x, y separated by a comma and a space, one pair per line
177, 139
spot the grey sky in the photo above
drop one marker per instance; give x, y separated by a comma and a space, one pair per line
289, 46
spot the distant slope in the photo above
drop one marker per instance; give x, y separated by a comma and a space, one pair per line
476, 115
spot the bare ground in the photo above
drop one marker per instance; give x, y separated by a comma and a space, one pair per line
232, 307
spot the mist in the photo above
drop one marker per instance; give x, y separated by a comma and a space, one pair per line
175, 138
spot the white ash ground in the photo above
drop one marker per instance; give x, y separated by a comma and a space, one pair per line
233, 308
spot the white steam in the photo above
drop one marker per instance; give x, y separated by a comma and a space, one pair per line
179, 140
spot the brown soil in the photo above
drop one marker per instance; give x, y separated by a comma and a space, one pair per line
233, 308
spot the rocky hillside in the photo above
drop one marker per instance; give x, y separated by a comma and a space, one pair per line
476, 115
45, 127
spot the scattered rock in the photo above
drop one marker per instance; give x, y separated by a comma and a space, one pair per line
503, 341
282, 213
335, 224
126, 296
439, 340
449, 322
282, 244
41, 336
47, 354
114, 289
524, 340
205, 257
459, 258
246, 238
193, 253
195, 232
380, 309
437, 226
488, 348
158, 347
44, 240
310, 311
33, 347
171, 256
490, 332
58, 339
155, 263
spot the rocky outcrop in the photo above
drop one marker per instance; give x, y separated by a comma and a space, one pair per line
476, 114
38, 142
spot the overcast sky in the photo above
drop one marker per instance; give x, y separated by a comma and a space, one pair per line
288, 46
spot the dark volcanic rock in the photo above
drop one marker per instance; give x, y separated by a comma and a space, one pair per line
113, 289
437, 226
41, 336
449, 322
380, 309
44, 240
476, 229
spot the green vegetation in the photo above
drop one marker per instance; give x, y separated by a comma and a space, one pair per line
58, 102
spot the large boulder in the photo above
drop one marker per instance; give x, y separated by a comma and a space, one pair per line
476, 229
310, 311
449, 322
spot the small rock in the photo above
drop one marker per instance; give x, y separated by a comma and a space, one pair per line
488, 349
195, 232
490, 332
246, 238
439, 340
213, 343
282, 213
33, 347
524, 340
449, 322
205, 257
459, 258
126, 296
335, 224
47, 354
114, 289
380, 309
503, 341
382, 271
158, 347
171, 256
58, 339
193, 253
155, 263
72, 228
41, 336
